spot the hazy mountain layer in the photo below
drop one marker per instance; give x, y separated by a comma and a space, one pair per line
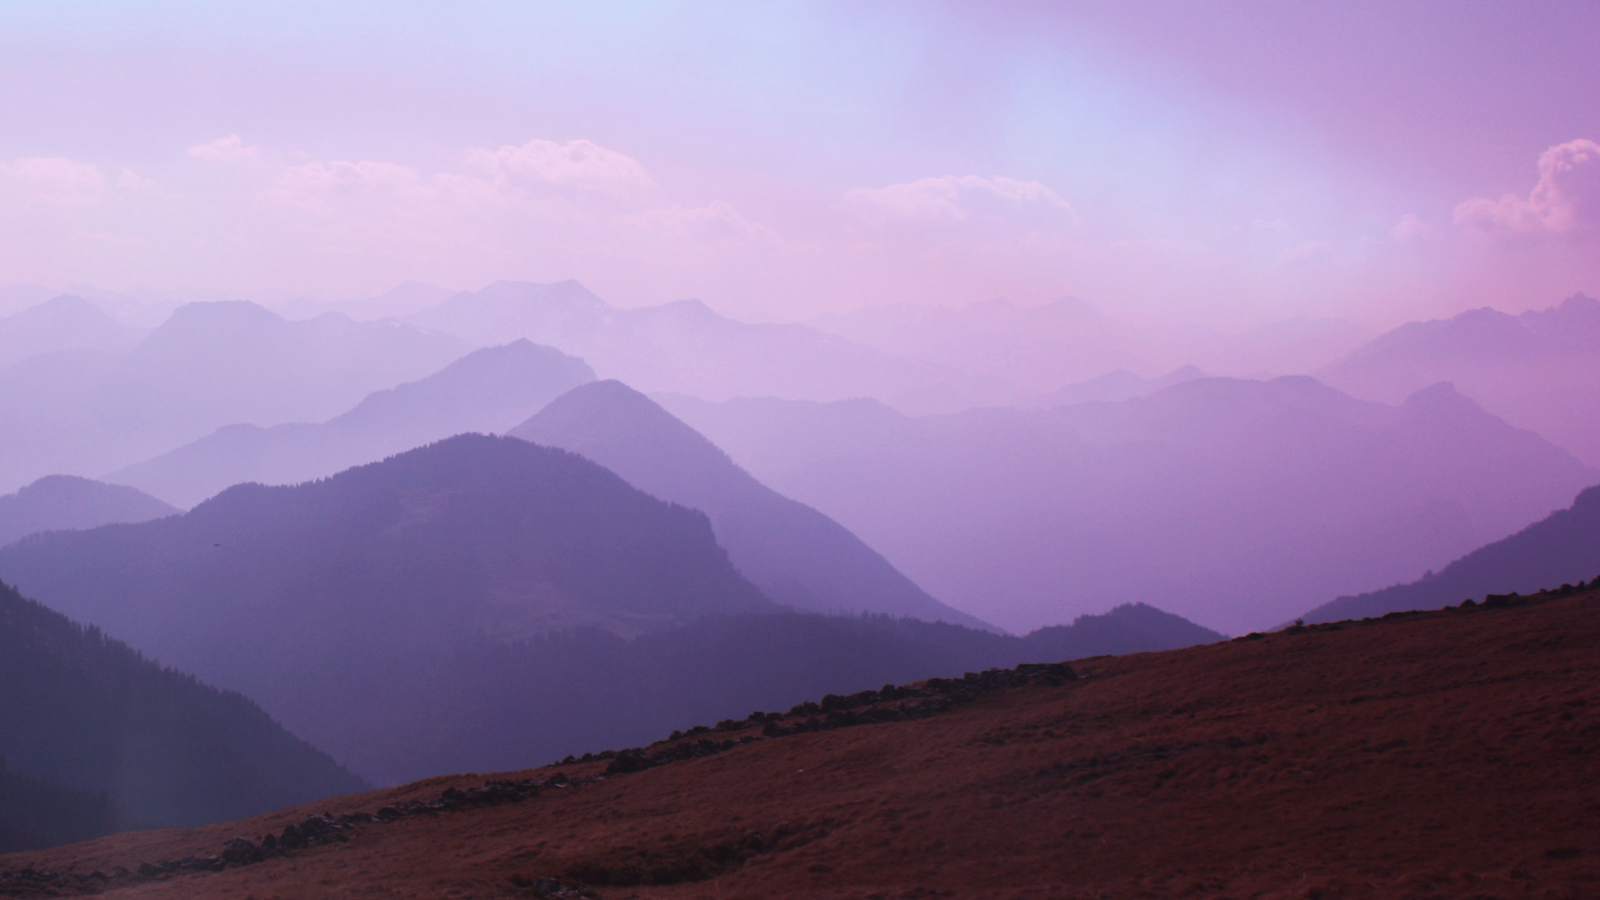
1237, 504
488, 390
62, 323
796, 555
479, 601
87, 412
682, 346
1535, 370
65, 502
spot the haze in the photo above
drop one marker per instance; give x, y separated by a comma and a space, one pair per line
396, 390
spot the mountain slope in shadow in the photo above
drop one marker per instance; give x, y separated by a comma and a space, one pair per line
98, 738
483, 601
1563, 547
316, 600
795, 554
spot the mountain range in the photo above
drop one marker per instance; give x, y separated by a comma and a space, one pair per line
490, 600
681, 346
87, 412
488, 390
63, 323
796, 555
1534, 369
1234, 503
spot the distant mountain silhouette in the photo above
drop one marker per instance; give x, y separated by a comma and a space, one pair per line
1564, 547
309, 598
65, 502
681, 346
1129, 628
798, 556
97, 738
1233, 503
1536, 369
58, 324
16, 297
488, 390
209, 364
1119, 385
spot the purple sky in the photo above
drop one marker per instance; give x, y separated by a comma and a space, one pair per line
1227, 162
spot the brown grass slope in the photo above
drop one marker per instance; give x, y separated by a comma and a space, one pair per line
1433, 755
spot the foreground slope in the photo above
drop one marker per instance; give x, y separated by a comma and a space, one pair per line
96, 738
797, 555
66, 502
1563, 547
1444, 754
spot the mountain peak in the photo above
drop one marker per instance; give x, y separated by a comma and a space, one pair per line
1440, 395
206, 317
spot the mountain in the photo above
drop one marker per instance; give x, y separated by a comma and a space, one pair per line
62, 323
316, 600
1158, 775
1129, 628
1563, 547
796, 555
87, 412
98, 738
1120, 385
1535, 369
64, 502
681, 346
16, 297
488, 390
1233, 503
491, 600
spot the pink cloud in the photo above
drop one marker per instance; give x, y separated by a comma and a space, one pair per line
1565, 200
1410, 227
227, 149
573, 165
